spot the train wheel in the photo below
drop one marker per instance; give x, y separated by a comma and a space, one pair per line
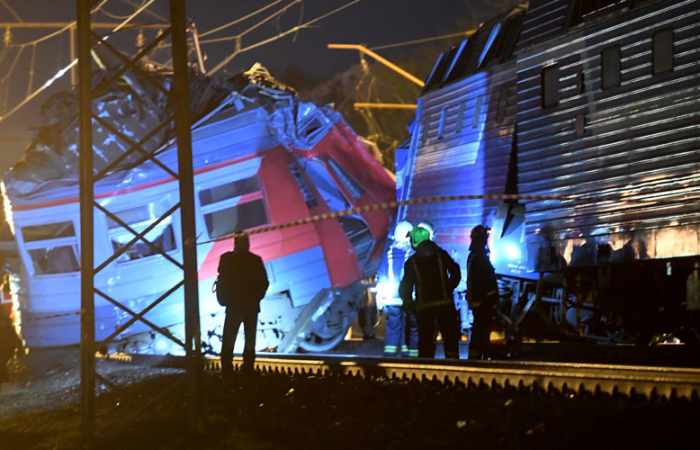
327, 339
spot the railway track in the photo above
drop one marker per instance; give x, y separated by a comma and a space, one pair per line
627, 380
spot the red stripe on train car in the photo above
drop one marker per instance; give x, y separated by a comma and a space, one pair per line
140, 187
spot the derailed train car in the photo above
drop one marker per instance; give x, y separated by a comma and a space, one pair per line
261, 157
593, 101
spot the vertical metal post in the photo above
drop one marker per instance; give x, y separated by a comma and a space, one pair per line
87, 305
180, 93
72, 44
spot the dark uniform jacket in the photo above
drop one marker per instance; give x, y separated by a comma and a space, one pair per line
433, 274
246, 277
482, 287
9, 341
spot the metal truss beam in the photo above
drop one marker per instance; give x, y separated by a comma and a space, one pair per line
89, 41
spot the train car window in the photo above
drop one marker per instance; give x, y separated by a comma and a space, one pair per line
227, 221
309, 198
550, 86
162, 236
325, 184
48, 231
441, 124
52, 248
477, 111
461, 113
229, 190
350, 184
54, 260
610, 67
489, 42
130, 216
663, 51
580, 83
580, 122
310, 124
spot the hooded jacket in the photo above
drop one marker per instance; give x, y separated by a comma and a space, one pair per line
433, 274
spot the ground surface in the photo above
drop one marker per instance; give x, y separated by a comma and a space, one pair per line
270, 411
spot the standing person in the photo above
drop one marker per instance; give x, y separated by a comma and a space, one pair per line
692, 304
482, 292
243, 278
9, 343
401, 333
434, 275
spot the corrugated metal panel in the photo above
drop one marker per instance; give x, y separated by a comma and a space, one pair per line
544, 20
641, 139
462, 145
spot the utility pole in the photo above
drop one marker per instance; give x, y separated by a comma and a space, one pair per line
87, 263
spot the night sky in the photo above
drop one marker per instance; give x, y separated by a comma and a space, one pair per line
370, 22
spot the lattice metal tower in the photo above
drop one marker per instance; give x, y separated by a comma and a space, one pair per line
88, 42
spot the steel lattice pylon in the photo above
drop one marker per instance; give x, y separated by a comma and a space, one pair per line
88, 41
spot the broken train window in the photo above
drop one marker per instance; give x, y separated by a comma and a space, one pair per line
52, 248
352, 187
162, 236
233, 206
311, 125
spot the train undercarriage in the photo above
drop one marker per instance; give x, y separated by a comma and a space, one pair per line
638, 302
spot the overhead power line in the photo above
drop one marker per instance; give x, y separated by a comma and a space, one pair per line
240, 49
48, 83
466, 33
241, 19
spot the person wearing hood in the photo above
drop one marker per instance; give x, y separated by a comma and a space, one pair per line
433, 275
482, 292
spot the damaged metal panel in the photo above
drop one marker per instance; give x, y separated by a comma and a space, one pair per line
631, 152
261, 157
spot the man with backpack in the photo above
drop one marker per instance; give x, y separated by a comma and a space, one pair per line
240, 286
434, 275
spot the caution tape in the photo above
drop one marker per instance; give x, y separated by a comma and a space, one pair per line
388, 205
440, 199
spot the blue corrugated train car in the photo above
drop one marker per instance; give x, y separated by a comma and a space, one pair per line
596, 102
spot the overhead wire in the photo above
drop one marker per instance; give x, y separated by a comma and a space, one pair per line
252, 28
241, 19
60, 30
299, 22
148, 11
114, 16
277, 37
11, 10
423, 40
32, 63
48, 83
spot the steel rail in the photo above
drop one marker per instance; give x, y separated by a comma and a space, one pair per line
611, 379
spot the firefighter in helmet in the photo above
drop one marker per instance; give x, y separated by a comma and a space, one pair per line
433, 275
482, 292
401, 333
